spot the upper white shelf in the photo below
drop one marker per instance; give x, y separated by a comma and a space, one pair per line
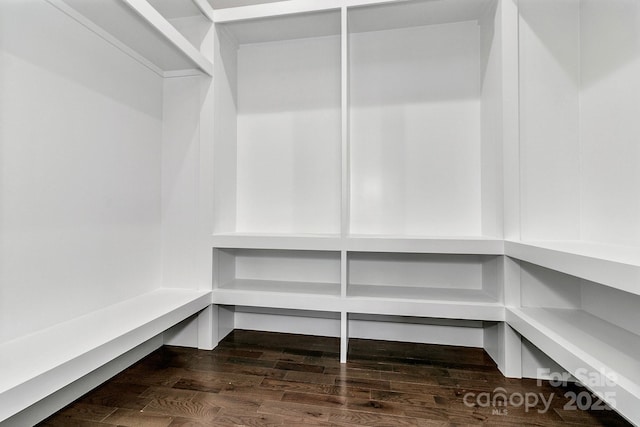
317, 242
407, 14
360, 243
137, 28
420, 244
614, 266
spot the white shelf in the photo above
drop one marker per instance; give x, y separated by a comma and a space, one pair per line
279, 294
424, 302
419, 244
279, 286
377, 300
320, 242
614, 266
578, 340
79, 346
137, 28
360, 243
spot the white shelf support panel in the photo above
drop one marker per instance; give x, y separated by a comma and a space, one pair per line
344, 336
77, 347
139, 30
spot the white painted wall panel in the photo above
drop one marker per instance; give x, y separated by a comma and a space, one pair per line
609, 125
433, 271
180, 175
549, 140
289, 130
415, 131
303, 266
80, 130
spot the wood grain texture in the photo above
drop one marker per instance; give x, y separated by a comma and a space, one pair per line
270, 379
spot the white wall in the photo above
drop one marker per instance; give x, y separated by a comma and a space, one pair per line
549, 97
288, 143
415, 131
80, 133
609, 125
579, 128
180, 176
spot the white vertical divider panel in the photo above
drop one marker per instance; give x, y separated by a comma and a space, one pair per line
510, 119
208, 319
344, 336
510, 341
344, 87
344, 95
511, 365
344, 273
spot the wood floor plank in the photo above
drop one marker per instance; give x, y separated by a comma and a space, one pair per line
328, 400
296, 411
118, 395
169, 393
87, 411
68, 421
272, 379
310, 377
198, 409
299, 367
128, 417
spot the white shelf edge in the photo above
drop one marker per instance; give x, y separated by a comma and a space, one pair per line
168, 31
287, 8
269, 299
439, 305
360, 243
205, 8
615, 274
156, 21
434, 308
105, 334
435, 245
573, 358
277, 242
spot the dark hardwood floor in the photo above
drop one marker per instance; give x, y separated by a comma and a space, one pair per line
269, 379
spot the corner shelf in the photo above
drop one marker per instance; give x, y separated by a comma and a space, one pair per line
138, 29
87, 343
614, 266
578, 340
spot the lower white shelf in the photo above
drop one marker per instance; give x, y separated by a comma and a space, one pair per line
79, 346
445, 303
286, 287
589, 348
279, 294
